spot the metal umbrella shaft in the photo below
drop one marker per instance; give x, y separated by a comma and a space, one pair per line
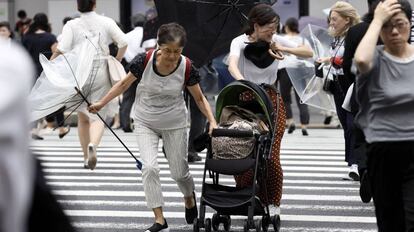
139, 164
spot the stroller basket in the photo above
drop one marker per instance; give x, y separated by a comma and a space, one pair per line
228, 200
230, 167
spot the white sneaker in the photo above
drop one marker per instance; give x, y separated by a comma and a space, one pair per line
85, 164
274, 210
46, 131
92, 156
353, 172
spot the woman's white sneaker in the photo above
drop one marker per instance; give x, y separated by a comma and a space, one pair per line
92, 156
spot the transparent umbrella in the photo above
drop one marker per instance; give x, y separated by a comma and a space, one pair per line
308, 86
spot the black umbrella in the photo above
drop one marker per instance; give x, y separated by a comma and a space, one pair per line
210, 24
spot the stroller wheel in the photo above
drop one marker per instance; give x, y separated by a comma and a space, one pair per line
265, 223
276, 222
246, 226
227, 222
258, 225
207, 225
196, 226
215, 222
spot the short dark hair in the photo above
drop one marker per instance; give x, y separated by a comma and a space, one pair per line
261, 14
172, 32
66, 19
7, 25
40, 21
21, 14
86, 5
406, 9
138, 20
293, 24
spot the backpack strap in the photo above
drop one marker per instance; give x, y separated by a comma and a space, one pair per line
187, 65
147, 57
187, 70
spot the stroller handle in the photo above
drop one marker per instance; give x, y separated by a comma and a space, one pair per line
232, 133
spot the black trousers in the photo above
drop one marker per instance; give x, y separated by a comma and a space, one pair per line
198, 122
347, 120
126, 105
57, 116
360, 149
285, 91
391, 172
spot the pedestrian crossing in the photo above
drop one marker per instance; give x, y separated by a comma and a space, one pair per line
111, 198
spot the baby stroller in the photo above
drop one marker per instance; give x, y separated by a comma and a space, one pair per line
235, 200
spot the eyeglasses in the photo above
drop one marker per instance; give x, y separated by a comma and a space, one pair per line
400, 26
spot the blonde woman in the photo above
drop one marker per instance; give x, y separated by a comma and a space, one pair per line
341, 17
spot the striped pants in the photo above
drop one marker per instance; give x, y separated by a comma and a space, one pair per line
175, 145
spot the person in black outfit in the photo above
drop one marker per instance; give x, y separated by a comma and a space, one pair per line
352, 39
128, 97
39, 40
291, 29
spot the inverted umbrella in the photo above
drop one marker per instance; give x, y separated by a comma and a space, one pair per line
211, 25
69, 80
309, 86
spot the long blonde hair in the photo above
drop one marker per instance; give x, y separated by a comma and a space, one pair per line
345, 10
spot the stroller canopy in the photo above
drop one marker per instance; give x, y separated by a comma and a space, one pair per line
231, 95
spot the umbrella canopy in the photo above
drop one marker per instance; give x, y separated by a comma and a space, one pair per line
308, 86
55, 86
210, 24
304, 21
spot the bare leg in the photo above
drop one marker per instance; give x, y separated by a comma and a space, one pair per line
96, 131
159, 217
83, 133
189, 202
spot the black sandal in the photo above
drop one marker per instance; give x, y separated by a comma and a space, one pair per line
157, 227
63, 134
192, 213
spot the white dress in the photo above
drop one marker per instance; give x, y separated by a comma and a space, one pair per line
85, 47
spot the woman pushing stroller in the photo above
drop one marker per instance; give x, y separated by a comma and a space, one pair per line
251, 59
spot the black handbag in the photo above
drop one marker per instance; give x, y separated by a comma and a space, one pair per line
328, 85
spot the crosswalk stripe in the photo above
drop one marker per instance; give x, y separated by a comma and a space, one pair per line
118, 193
200, 169
99, 184
121, 150
181, 227
150, 214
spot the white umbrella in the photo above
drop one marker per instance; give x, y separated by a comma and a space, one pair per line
55, 86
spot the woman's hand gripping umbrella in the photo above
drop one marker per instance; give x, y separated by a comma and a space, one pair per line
94, 109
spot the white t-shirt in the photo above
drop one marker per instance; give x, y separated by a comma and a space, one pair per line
134, 40
290, 59
74, 31
250, 71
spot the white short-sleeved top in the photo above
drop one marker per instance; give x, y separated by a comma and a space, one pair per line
74, 31
291, 60
250, 71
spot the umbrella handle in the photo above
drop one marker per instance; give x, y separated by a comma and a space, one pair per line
276, 54
139, 163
